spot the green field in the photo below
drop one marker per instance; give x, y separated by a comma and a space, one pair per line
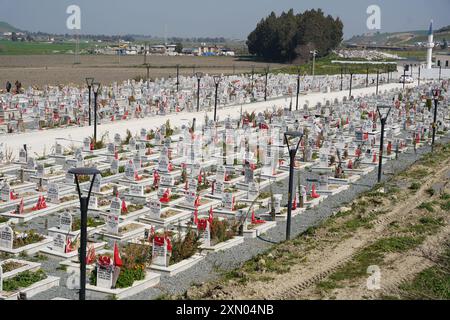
33, 48
324, 66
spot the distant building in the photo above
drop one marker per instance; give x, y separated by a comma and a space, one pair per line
443, 60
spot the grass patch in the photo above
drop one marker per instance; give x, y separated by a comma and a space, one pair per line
427, 206
414, 186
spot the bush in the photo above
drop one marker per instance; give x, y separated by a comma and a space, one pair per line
184, 248
221, 231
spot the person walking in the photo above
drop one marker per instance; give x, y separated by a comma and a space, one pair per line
8, 86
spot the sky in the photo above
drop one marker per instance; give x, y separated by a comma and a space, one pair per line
233, 19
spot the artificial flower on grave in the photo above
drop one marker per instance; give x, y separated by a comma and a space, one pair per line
170, 167
156, 178
104, 261
90, 257
196, 216
166, 196
294, 204
197, 202
374, 158
202, 224
314, 194
124, 209
256, 221
211, 215
12, 196
350, 164
70, 245
116, 155
117, 259
137, 177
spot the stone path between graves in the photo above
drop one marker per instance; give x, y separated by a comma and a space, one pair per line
299, 282
42, 141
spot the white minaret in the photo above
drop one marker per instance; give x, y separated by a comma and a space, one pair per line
430, 46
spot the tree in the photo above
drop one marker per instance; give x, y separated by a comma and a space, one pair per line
179, 47
444, 44
14, 36
290, 36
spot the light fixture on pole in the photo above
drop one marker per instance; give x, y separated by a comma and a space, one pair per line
96, 86
293, 148
178, 76
351, 82
436, 95
216, 83
266, 71
84, 204
89, 82
378, 78
383, 112
298, 87
199, 76
314, 54
253, 75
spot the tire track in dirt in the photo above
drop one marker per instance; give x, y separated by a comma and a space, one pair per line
292, 287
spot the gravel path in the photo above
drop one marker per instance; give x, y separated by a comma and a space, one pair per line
211, 267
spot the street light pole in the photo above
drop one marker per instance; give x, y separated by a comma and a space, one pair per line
418, 79
216, 82
378, 76
314, 53
199, 76
342, 77
298, 87
265, 87
436, 94
96, 86
367, 77
440, 71
178, 76
84, 206
351, 82
292, 153
89, 82
383, 112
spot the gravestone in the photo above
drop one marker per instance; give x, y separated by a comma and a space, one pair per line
59, 243
159, 252
6, 192
96, 186
252, 191
167, 180
117, 139
227, 200
116, 206
6, 237
112, 223
93, 204
130, 171
22, 156
53, 193
40, 170
115, 166
31, 163
155, 208
65, 221
136, 190
105, 276
205, 234
86, 144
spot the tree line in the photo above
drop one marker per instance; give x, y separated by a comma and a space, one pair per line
290, 36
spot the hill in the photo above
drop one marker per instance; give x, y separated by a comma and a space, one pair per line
6, 27
406, 38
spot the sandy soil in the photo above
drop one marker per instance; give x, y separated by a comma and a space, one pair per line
60, 69
314, 261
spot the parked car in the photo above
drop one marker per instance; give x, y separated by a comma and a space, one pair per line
406, 79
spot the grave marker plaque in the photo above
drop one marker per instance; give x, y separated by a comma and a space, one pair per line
104, 276
227, 200
40, 170
6, 237
155, 208
22, 156
65, 221
59, 243
112, 223
53, 193
159, 252
116, 206
137, 190
6, 192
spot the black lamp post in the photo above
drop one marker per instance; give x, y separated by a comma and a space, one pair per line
440, 71
266, 70
351, 82
253, 75
418, 78
383, 112
148, 74
367, 77
96, 88
378, 77
84, 204
293, 148
89, 82
178, 76
298, 87
216, 83
405, 68
436, 94
199, 76
342, 77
